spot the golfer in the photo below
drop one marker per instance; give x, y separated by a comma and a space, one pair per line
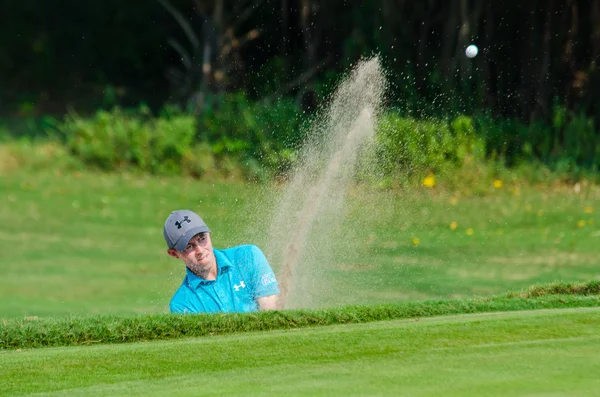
237, 279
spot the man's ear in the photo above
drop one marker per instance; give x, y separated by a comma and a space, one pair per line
172, 253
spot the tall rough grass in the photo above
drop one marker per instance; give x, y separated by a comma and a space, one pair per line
33, 332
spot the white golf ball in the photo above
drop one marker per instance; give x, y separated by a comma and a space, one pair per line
472, 51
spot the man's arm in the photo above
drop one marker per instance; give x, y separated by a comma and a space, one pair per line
179, 304
264, 283
267, 302
179, 309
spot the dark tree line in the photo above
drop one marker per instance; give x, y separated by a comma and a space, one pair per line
533, 56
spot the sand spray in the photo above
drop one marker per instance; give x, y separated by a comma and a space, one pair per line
309, 213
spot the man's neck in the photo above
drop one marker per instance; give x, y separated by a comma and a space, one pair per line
207, 274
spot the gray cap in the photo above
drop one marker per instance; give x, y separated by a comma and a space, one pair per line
181, 226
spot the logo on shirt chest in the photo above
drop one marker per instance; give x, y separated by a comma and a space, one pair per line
237, 287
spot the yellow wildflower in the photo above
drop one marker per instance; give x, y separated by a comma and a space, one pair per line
416, 241
453, 225
588, 210
454, 200
429, 181
581, 223
498, 183
469, 231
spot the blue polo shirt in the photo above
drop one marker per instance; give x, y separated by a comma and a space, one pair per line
243, 275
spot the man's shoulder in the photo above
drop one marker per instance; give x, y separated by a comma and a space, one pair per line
246, 258
181, 291
238, 251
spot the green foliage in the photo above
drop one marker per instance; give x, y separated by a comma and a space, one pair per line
586, 289
409, 144
569, 144
263, 136
116, 140
27, 154
108, 140
581, 141
174, 135
31, 333
231, 135
31, 128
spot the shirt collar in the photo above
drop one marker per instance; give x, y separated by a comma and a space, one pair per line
223, 266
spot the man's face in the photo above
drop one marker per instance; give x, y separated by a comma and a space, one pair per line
198, 255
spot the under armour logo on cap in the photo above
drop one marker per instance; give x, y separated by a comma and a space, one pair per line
185, 219
181, 226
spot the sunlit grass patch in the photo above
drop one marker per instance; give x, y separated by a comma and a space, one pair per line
95, 241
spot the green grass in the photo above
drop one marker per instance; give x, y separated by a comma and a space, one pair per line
33, 332
87, 243
544, 352
84, 267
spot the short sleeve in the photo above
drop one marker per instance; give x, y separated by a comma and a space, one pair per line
178, 304
179, 309
262, 276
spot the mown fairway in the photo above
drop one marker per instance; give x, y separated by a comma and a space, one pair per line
91, 243
545, 352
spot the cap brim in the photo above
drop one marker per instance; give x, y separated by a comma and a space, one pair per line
185, 239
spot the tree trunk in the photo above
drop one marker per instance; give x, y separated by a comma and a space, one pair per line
593, 107
595, 21
469, 18
462, 40
424, 28
572, 83
449, 45
285, 26
532, 49
543, 89
309, 8
489, 74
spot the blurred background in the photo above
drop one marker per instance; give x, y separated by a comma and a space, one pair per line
534, 80
106, 105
